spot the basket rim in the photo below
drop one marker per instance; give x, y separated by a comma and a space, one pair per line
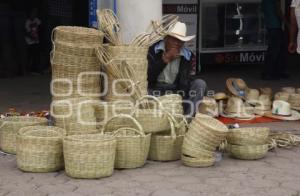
10, 119
60, 132
80, 138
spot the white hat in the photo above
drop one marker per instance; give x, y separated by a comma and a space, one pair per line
282, 110
178, 30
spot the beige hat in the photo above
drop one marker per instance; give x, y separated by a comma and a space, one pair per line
294, 100
282, 110
298, 91
209, 106
264, 104
252, 96
237, 87
266, 91
289, 90
178, 30
284, 96
220, 96
236, 109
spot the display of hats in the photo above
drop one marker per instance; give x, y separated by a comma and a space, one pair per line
284, 96
236, 108
209, 106
294, 100
204, 135
289, 90
237, 87
282, 110
252, 96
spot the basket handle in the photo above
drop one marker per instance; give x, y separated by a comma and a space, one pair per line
149, 97
53, 35
137, 124
272, 144
103, 55
128, 128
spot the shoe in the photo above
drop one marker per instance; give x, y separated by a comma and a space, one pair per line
269, 77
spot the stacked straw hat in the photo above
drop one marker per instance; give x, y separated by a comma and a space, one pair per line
248, 143
75, 67
205, 134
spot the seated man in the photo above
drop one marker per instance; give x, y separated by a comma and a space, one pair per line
169, 68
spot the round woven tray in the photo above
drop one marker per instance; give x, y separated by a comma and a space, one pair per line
9, 128
39, 149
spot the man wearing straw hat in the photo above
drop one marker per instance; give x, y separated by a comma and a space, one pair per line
169, 68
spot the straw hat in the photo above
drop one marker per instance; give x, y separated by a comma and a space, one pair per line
237, 86
284, 96
236, 109
220, 96
294, 100
298, 91
209, 107
178, 30
282, 110
252, 96
289, 90
266, 91
264, 103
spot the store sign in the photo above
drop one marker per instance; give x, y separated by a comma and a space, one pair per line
233, 58
93, 13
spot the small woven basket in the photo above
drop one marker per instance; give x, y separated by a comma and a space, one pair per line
132, 143
172, 103
79, 35
197, 162
39, 149
251, 152
152, 119
248, 136
89, 156
167, 146
9, 128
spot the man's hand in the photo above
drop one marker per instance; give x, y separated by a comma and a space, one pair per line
171, 54
292, 47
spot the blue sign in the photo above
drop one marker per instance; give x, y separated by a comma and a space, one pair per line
93, 13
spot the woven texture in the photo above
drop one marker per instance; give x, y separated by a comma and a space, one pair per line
132, 143
172, 103
39, 149
89, 156
252, 152
167, 146
248, 136
205, 134
9, 128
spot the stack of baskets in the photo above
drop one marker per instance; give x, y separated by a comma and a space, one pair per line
205, 134
75, 67
39, 149
9, 128
248, 143
75, 115
136, 58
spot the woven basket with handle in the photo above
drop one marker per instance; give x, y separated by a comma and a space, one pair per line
172, 103
39, 149
9, 128
89, 156
132, 143
166, 146
248, 136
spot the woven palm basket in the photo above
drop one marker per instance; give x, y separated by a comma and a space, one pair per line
89, 156
248, 136
250, 152
79, 35
197, 162
294, 100
72, 48
166, 146
9, 128
132, 143
76, 115
58, 58
172, 103
39, 149
152, 119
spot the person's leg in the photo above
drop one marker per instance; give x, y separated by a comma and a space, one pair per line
272, 54
196, 93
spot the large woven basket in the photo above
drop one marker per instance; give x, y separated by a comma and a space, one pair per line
89, 156
79, 35
132, 143
73, 60
71, 48
172, 103
250, 152
197, 162
152, 119
166, 146
9, 128
40, 149
76, 115
248, 136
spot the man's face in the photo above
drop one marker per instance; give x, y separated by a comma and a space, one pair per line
173, 43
